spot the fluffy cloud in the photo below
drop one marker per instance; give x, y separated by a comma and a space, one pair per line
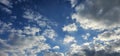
105, 44
70, 28
77, 50
69, 39
98, 14
90, 49
50, 33
85, 37
31, 30
54, 54
56, 47
110, 40
73, 2
17, 44
26, 41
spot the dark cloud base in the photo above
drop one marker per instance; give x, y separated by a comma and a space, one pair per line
96, 53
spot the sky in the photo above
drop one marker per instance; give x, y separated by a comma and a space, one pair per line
59, 28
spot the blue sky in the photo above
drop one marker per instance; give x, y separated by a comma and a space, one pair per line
59, 27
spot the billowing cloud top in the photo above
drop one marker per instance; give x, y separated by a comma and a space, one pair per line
98, 14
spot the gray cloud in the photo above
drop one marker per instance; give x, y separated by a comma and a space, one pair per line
92, 13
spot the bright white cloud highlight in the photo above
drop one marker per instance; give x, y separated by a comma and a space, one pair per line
69, 39
56, 47
70, 27
53, 54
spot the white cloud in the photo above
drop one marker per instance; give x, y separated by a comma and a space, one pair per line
107, 43
111, 39
54, 54
70, 28
50, 33
85, 37
109, 35
37, 18
26, 41
69, 39
56, 47
4, 27
31, 30
96, 14
17, 44
6, 2
73, 2
100, 15
75, 50
29, 14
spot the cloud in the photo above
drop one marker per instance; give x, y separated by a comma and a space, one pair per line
50, 33
27, 40
18, 43
4, 27
37, 19
105, 44
70, 28
73, 2
86, 36
98, 14
111, 39
5, 2
31, 30
76, 50
54, 54
69, 39
89, 50
56, 47
31, 15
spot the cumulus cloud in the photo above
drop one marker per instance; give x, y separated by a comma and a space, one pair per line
77, 50
54, 54
111, 39
105, 44
17, 44
98, 14
70, 28
56, 47
50, 33
90, 49
25, 41
31, 30
69, 39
